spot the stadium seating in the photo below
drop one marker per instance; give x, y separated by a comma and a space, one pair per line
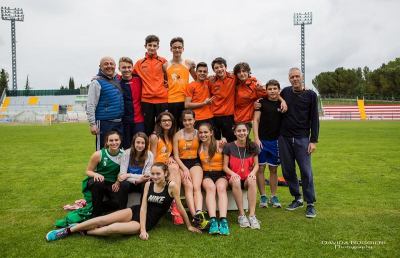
373, 112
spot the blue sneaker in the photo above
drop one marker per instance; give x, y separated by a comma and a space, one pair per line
223, 227
310, 211
57, 234
294, 205
275, 202
214, 228
263, 201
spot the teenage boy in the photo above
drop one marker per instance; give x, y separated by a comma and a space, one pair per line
178, 70
198, 96
222, 88
151, 70
298, 140
131, 84
266, 123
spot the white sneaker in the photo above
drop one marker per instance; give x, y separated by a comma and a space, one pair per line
243, 221
254, 223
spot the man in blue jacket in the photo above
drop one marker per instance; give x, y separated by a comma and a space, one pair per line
298, 139
105, 104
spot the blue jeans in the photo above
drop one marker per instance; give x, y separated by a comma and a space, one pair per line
291, 150
104, 127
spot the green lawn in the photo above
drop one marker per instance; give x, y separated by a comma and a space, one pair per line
356, 173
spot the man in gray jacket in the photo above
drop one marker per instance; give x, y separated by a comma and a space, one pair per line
105, 104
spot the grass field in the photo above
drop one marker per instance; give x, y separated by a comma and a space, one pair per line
356, 174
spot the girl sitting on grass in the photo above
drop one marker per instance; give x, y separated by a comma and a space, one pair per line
157, 198
241, 166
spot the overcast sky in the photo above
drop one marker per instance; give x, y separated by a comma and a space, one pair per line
63, 38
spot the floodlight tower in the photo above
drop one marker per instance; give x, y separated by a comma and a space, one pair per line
13, 15
303, 19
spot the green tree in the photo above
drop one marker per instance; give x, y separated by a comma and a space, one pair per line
71, 83
27, 85
3, 80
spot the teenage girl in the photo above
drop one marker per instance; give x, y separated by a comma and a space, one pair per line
214, 180
102, 170
186, 145
161, 147
241, 166
157, 198
136, 163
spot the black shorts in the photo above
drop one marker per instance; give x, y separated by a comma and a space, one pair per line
189, 163
214, 175
223, 125
136, 217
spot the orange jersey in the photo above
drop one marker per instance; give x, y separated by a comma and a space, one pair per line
215, 164
199, 92
188, 148
178, 78
163, 151
150, 70
224, 92
246, 94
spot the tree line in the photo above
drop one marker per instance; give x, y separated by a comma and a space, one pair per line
384, 82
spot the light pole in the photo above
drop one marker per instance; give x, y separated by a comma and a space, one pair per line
13, 15
303, 19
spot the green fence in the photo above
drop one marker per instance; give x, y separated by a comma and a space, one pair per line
13, 93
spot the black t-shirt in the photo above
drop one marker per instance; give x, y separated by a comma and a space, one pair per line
270, 119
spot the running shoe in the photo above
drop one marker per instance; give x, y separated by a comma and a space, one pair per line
214, 228
275, 202
57, 234
223, 227
263, 201
310, 211
200, 221
176, 216
254, 223
294, 205
243, 221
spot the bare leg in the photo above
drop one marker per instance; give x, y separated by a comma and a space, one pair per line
124, 228
175, 175
197, 176
124, 215
251, 186
273, 179
238, 195
261, 179
222, 184
188, 186
210, 188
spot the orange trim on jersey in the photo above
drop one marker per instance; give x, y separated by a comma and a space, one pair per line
246, 94
178, 78
215, 164
224, 92
188, 148
199, 92
151, 72
163, 151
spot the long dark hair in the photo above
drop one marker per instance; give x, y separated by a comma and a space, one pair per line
251, 147
108, 135
212, 148
143, 156
159, 131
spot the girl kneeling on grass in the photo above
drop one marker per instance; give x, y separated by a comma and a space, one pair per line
136, 164
214, 180
157, 198
241, 166
186, 145
102, 172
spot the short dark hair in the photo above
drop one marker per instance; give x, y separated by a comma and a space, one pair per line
241, 66
218, 60
273, 82
176, 39
151, 38
125, 59
201, 64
